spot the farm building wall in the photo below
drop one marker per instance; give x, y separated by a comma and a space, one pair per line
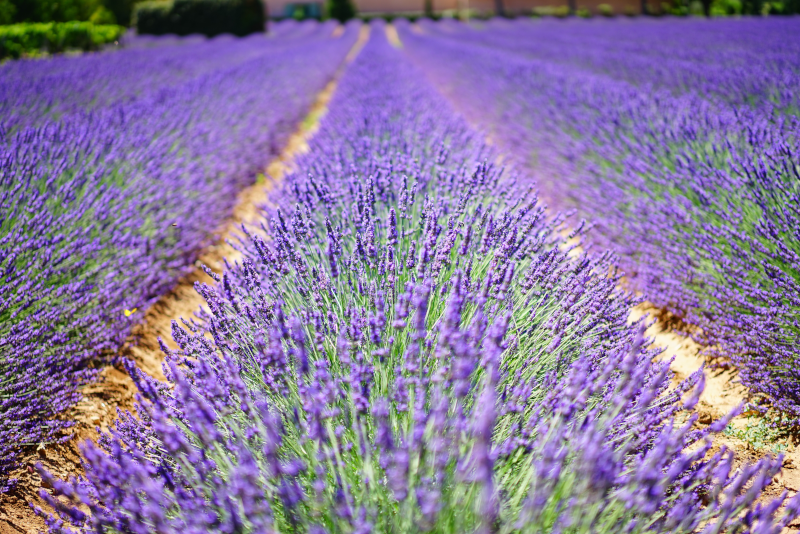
286, 8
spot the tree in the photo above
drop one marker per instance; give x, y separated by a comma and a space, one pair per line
341, 10
7, 12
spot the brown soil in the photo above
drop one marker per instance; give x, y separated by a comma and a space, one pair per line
722, 394
115, 389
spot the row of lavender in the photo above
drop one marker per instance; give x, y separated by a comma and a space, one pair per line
114, 170
411, 347
33, 92
747, 61
693, 177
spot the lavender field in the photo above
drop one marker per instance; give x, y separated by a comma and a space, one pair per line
685, 160
428, 327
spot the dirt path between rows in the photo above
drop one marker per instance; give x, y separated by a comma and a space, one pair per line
115, 389
722, 394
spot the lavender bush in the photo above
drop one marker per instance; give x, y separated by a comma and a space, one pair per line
408, 345
695, 188
107, 194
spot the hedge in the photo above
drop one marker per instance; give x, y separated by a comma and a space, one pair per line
32, 38
208, 17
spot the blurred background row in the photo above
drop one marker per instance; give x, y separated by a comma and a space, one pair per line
246, 16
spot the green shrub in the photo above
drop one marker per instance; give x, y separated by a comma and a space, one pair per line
55, 10
103, 15
696, 8
561, 12
33, 38
679, 8
208, 17
302, 10
96, 11
7, 12
550, 11
584, 13
152, 17
122, 10
605, 10
721, 8
341, 10
773, 8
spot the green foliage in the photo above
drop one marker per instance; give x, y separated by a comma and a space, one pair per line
676, 9
97, 11
7, 12
726, 7
54, 11
550, 11
695, 8
791, 7
121, 9
103, 16
605, 10
723, 8
341, 10
584, 13
34, 38
763, 432
248, 13
152, 17
788, 7
303, 11
208, 17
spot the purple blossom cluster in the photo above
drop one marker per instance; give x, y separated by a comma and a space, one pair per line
409, 344
114, 170
678, 139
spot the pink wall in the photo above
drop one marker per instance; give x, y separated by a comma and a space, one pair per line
277, 7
